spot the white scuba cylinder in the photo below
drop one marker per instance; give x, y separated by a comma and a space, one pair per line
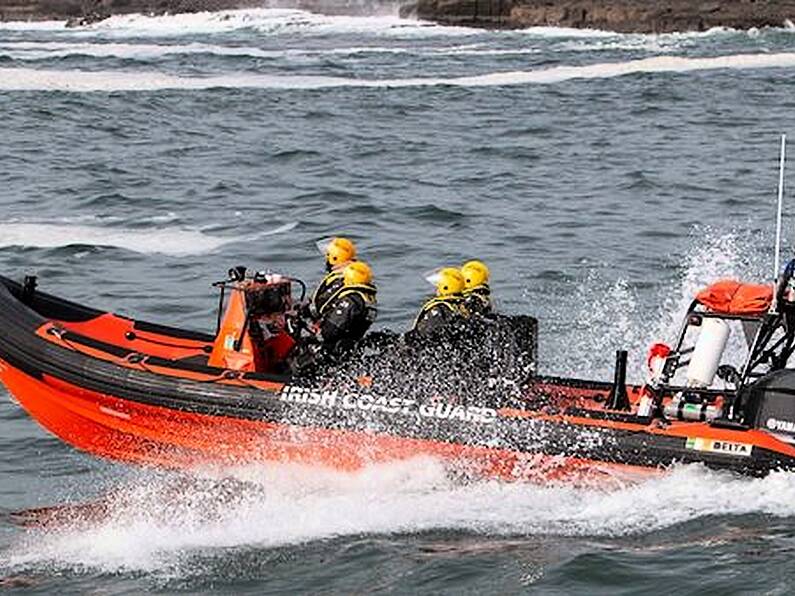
707, 353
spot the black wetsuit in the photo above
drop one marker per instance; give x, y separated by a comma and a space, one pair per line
477, 300
439, 313
347, 315
325, 290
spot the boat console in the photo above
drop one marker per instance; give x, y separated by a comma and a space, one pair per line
252, 332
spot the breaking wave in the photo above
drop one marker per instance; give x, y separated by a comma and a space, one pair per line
172, 241
268, 21
25, 79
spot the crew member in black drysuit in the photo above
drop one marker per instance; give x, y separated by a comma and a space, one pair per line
348, 313
444, 311
342, 319
477, 293
339, 252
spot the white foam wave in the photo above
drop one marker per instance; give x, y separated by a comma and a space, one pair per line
565, 32
268, 21
138, 51
659, 43
172, 241
475, 49
156, 522
32, 25
644, 43
26, 79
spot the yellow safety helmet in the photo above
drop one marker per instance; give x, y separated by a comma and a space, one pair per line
448, 281
338, 251
357, 273
475, 273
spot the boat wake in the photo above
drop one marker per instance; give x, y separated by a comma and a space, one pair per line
153, 523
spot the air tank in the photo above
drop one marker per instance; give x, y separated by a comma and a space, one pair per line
680, 409
707, 352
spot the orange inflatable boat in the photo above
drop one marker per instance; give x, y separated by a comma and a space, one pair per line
146, 393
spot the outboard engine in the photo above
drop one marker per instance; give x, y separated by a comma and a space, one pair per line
769, 404
707, 352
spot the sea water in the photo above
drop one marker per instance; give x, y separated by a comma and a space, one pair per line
604, 178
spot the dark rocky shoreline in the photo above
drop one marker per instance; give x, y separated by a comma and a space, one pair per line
641, 16
626, 16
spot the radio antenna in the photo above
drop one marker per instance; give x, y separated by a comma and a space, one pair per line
777, 262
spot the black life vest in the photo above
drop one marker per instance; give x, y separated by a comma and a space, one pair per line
348, 313
438, 312
328, 286
477, 300
367, 292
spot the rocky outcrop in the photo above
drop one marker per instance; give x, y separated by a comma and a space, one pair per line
641, 16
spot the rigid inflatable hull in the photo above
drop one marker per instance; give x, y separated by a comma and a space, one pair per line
57, 359
118, 429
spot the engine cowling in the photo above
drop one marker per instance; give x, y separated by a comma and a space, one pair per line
769, 404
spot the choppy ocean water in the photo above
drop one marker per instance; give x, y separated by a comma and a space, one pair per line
603, 177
